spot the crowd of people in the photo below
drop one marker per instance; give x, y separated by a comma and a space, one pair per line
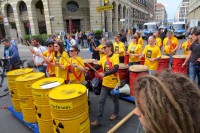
165, 93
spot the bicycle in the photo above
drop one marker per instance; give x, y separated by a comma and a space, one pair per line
4, 90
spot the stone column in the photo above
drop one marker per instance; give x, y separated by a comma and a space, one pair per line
95, 17
56, 11
32, 17
121, 17
109, 22
47, 14
115, 21
19, 23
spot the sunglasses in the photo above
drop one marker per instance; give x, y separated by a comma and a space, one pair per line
49, 46
72, 50
55, 46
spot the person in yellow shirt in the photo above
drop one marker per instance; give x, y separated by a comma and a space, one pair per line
158, 39
152, 54
140, 40
134, 51
170, 45
75, 66
60, 58
186, 45
100, 47
119, 48
110, 64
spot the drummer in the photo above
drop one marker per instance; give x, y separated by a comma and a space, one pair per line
100, 47
48, 57
134, 51
60, 58
75, 66
119, 48
170, 45
186, 45
110, 64
152, 54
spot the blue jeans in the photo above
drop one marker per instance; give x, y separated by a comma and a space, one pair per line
194, 70
102, 101
42, 69
170, 59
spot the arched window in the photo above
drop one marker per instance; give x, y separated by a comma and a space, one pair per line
72, 6
9, 10
39, 5
22, 7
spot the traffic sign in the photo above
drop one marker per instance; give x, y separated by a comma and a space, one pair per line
104, 8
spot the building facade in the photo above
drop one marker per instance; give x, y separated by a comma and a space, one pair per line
161, 14
182, 11
194, 10
50, 16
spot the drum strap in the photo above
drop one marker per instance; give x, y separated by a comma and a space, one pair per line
48, 65
78, 77
172, 46
188, 44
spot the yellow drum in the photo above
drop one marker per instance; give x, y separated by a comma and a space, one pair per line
16, 104
14, 94
68, 101
79, 124
43, 112
41, 89
12, 75
24, 82
26, 101
29, 115
45, 126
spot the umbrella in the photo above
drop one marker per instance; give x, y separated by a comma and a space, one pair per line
70, 25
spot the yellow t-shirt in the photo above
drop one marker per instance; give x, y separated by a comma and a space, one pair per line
50, 55
170, 46
109, 81
185, 46
151, 52
158, 41
77, 72
100, 54
134, 49
140, 41
119, 47
60, 73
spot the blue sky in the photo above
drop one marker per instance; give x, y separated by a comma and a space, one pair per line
171, 6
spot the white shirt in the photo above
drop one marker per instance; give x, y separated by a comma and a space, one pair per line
73, 42
40, 49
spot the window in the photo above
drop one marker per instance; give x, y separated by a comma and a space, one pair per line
22, 7
72, 6
9, 10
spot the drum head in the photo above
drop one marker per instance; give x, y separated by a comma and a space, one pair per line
123, 66
165, 57
138, 68
96, 62
180, 56
88, 60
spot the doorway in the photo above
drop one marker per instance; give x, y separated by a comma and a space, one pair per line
76, 25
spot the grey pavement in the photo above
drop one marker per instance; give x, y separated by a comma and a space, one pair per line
9, 124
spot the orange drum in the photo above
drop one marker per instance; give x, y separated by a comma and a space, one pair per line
123, 71
142, 61
126, 59
90, 72
135, 72
100, 70
163, 63
178, 60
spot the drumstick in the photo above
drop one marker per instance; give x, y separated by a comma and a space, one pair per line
79, 62
119, 124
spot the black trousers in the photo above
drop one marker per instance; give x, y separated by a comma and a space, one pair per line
121, 59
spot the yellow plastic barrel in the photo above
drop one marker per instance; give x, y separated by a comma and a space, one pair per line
11, 76
45, 126
68, 101
41, 89
43, 112
69, 108
23, 84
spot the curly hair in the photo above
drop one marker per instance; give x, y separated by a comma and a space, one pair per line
170, 103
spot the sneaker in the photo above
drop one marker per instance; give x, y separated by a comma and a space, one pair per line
96, 124
113, 117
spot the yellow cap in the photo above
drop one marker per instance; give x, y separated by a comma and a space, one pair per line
30, 76
38, 84
19, 71
68, 91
